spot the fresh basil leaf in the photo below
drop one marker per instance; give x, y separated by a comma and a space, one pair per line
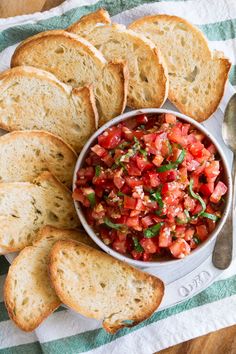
137, 246
196, 240
97, 170
153, 230
197, 197
92, 199
172, 165
110, 224
210, 216
156, 195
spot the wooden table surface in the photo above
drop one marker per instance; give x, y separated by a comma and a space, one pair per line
219, 342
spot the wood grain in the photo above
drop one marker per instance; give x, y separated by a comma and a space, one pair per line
219, 342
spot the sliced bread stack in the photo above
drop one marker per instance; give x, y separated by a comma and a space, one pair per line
31, 98
76, 62
197, 75
25, 207
28, 294
148, 76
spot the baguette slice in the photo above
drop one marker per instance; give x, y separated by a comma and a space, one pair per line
28, 294
26, 207
197, 75
76, 62
98, 286
87, 23
51, 105
29, 153
148, 81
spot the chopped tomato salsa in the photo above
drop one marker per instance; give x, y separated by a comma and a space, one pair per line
152, 186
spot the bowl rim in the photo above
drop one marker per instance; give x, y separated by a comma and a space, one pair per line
126, 258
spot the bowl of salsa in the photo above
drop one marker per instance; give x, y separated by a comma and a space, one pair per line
152, 186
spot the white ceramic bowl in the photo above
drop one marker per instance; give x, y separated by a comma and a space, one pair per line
126, 258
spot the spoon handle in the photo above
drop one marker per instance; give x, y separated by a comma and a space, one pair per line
222, 254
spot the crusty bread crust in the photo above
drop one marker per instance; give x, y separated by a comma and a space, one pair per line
85, 65
105, 262
147, 88
63, 170
87, 22
52, 235
209, 61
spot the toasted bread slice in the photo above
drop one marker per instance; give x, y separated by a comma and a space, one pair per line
51, 105
87, 23
98, 286
197, 76
28, 294
26, 207
29, 153
76, 62
148, 80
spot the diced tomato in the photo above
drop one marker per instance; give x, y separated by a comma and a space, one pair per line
158, 159
168, 176
133, 181
197, 209
134, 223
142, 119
133, 169
119, 246
196, 149
150, 138
148, 245
79, 196
143, 164
159, 142
175, 135
191, 139
139, 205
189, 233
170, 187
108, 159
136, 255
202, 232
165, 238
118, 180
180, 231
189, 203
185, 128
207, 189
129, 202
212, 149
154, 179
219, 191
110, 138
180, 248
212, 171
183, 175
147, 256
170, 118
99, 150
147, 221
86, 173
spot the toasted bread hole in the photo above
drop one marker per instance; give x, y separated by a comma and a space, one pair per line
182, 41
71, 82
183, 100
25, 301
206, 92
77, 252
59, 156
103, 285
52, 216
82, 264
192, 76
59, 50
181, 26
109, 89
209, 86
137, 300
196, 89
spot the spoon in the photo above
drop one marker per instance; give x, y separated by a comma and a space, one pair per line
222, 254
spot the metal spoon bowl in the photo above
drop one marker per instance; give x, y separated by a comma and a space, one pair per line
222, 254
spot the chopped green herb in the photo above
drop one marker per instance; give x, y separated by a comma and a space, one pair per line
142, 126
110, 224
153, 230
92, 199
123, 166
169, 148
120, 194
197, 196
173, 165
196, 240
123, 145
143, 152
210, 216
156, 195
137, 246
97, 171
114, 166
132, 151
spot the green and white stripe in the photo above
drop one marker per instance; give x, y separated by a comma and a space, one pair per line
214, 308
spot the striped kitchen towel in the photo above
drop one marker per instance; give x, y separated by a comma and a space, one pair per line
214, 308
